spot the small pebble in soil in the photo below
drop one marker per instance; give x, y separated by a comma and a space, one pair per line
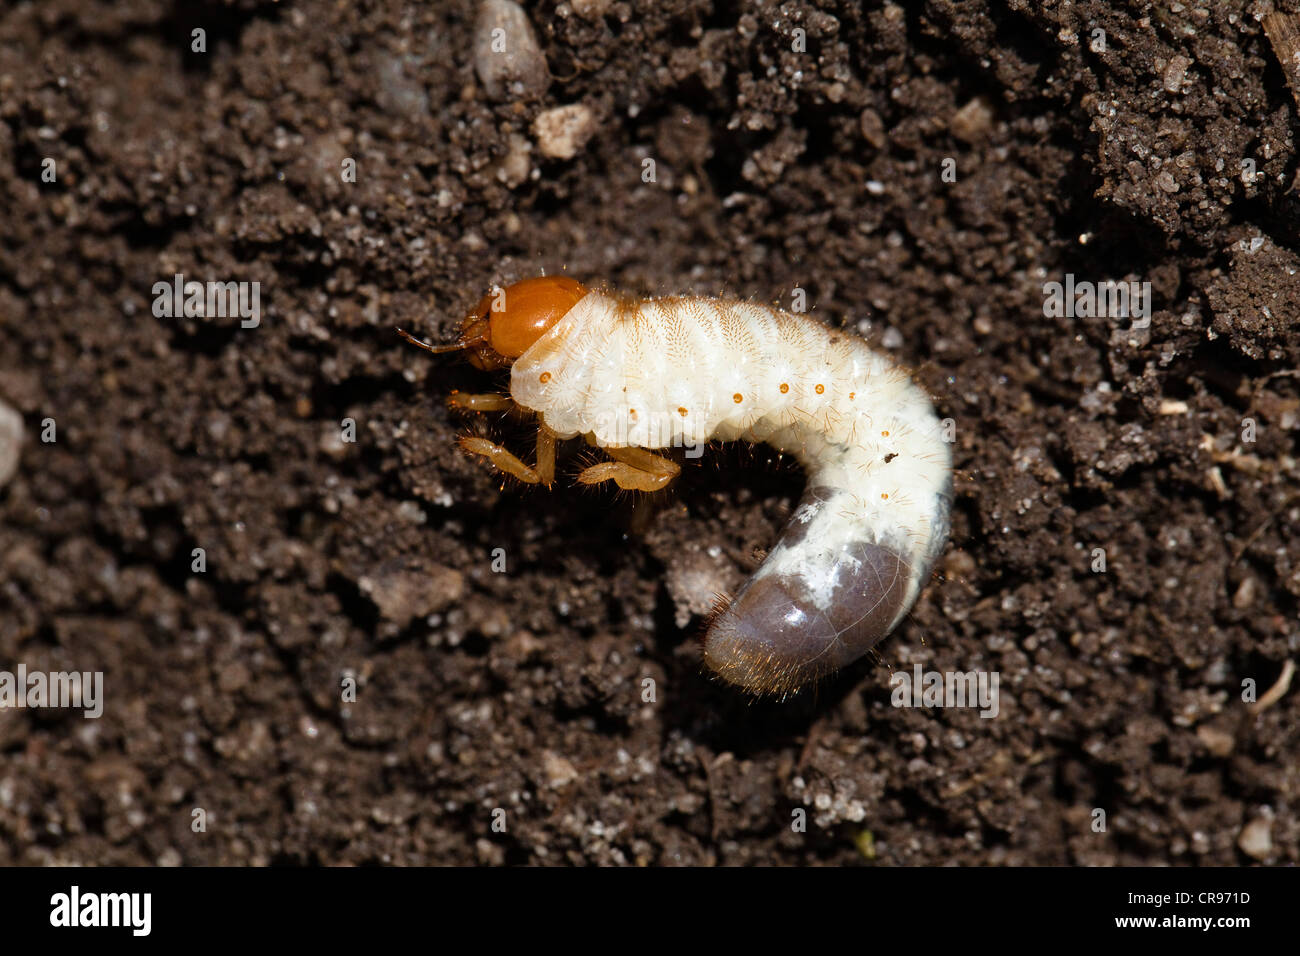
403, 595
563, 131
515, 166
11, 439
1256, 839
507, 59
590, 9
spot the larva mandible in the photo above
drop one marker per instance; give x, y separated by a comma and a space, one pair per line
634, 375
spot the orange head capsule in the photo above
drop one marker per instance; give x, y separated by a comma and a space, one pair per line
506, 322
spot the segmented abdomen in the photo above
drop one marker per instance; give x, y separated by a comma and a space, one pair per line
683, 371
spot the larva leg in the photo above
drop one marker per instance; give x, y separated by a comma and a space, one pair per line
633, 469
508, 462
545, 454
646, 461
480, 402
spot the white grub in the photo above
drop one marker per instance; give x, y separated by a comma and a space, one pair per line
684, 371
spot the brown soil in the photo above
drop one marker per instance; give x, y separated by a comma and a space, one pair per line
522, 691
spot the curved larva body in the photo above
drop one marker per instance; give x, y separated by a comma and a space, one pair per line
683, 371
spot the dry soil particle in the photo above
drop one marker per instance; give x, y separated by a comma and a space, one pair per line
792, 145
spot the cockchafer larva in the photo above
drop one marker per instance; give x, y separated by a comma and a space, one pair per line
631, 375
